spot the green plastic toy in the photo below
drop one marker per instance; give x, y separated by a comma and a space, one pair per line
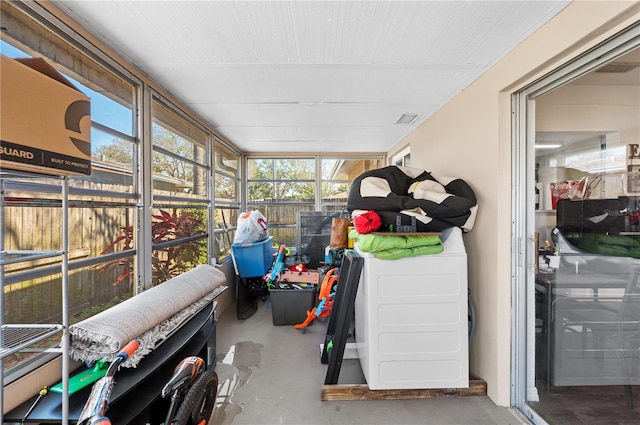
83, 379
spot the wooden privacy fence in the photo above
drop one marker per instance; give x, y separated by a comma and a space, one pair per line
282, 217
40, 300
35, 224
32, 224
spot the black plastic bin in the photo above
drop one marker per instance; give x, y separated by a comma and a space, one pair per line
290, 306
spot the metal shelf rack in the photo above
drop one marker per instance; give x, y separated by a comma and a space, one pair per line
21, 337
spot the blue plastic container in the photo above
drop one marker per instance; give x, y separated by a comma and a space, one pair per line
253, 259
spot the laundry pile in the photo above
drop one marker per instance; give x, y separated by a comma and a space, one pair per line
398, 194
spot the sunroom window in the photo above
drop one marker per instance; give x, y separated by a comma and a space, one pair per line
100, 204
181, 199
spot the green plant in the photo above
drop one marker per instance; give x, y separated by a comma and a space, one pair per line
171, 260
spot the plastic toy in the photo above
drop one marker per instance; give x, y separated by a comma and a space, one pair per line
278, 266
299, 268
326, 297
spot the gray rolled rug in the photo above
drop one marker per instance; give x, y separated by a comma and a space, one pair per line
150, 316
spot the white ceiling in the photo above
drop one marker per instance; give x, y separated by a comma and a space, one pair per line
313, 76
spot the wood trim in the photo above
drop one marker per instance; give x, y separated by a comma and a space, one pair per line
477, 387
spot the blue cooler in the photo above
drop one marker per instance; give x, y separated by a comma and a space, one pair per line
252, 259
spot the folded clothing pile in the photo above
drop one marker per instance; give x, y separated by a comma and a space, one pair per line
394, 247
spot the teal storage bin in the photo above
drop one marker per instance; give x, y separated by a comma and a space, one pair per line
253, 259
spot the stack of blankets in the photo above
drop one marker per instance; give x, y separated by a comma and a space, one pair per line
394, 247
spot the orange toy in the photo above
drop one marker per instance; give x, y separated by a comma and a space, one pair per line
326, 296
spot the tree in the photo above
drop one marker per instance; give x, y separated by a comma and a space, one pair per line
166, 225
225, 187
169, 261
169, 165
282, 179
120, 151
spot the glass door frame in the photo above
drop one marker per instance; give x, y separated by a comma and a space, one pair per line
523, 249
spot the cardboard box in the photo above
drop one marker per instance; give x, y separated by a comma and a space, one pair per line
45, 122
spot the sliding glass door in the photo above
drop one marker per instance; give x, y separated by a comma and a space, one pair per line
577, 325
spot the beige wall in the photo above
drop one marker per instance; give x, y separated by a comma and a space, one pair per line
470, 138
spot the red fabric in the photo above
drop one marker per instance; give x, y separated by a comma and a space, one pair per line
367, 222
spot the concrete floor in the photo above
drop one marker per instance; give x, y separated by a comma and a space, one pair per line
273, 375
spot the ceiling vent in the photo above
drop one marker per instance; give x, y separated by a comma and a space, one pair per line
618, 67
406, 119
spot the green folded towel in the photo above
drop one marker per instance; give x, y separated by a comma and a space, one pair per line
394, 247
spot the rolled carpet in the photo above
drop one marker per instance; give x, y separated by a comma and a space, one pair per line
150, 316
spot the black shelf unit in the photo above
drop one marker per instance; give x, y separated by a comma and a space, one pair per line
136, 394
